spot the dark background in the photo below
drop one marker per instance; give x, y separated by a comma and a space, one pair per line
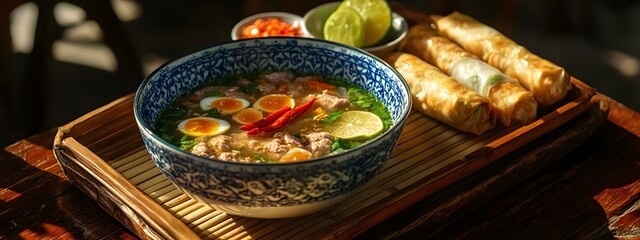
597, 42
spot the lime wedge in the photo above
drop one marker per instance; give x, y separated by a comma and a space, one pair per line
377, 18
345, 26
356, 124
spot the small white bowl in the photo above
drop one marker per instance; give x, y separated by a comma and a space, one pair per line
294, 20
314, 19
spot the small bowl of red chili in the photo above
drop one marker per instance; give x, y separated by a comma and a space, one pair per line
269, 24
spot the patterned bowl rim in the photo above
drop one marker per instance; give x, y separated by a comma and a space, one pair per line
396, 126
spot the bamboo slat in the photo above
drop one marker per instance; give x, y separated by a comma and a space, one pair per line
427, 147
429, 156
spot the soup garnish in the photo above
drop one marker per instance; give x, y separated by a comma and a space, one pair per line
273, 117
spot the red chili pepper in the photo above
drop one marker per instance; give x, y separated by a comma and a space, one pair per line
303, 108
266, 120
284, 119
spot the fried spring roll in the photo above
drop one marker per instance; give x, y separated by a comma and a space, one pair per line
509, 101
548, 82
439, 96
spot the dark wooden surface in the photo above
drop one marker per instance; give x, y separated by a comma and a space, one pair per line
548, 189
592, 192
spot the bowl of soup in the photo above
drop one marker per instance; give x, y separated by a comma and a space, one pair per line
272, 127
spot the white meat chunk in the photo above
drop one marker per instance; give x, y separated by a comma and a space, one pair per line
295, 89
289, 139
318, 143
280, 77
217, 147
276, 147
221, 143
330, 103
226, 91
306, 78
236, 93
231, 157
266, 88
270, 150
201, 149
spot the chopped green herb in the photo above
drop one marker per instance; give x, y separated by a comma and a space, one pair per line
342, 144
186, 142
359, 97
337, 81
166, 124
378, 108
250, 88
332, 117
214, 113
215, 93
260, 158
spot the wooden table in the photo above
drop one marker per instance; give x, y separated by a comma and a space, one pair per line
592, 192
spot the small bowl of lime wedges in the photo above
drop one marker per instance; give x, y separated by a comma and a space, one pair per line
366, 24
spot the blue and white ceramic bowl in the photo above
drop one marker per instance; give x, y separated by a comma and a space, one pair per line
271, 190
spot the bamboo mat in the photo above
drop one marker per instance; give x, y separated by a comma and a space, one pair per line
425, 147
429, 156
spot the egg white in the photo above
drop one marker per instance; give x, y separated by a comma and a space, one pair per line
223, 126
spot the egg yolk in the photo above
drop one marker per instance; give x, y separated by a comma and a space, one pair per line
227, 104
272, 103
201, 127
295, 155
247, 116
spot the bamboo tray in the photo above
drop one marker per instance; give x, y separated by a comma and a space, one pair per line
103, 154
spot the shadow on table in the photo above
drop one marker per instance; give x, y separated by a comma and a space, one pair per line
38, 200
579, 194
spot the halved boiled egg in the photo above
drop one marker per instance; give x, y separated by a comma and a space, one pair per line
296, 154
225, 105
247, 115
273, 102
203, 126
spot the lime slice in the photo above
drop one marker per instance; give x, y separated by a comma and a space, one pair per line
377, 18
345, 26
356, 124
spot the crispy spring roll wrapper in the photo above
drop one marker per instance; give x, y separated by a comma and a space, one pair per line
509, 101
548, 82
439, 96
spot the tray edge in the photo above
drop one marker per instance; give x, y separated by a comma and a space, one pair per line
168, 226
482, 156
